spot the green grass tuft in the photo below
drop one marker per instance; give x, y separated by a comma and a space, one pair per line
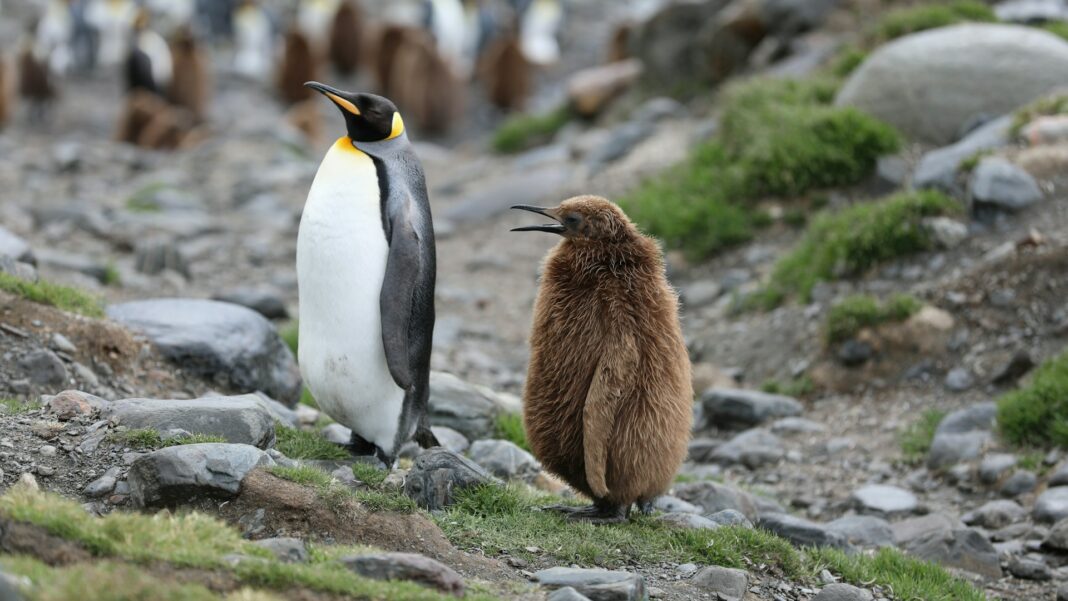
521, 132
144, 199
916, 438
857, 312
1057, 28
510, 427
850, 241
903, 21
907, 577
969, 164
303, 474
376, 498
111, 275
147, 438
10, 406
798, 387
64, 298
369, 474
1037, 414
290, 334
299, 444
1055, 104
847, 61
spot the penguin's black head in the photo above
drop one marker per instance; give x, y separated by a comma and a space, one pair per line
369, 118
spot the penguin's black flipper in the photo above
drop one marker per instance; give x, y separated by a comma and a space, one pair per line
398, 291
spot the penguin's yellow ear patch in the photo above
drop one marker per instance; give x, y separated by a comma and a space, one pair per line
345, 104
398, 126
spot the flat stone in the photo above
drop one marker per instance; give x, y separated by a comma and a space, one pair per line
691, 521
1031, 11
714, 497
728, 583
504, 459
843, 592
802, 532
980, 417
730, 517
753, 448
884, 500
796, 425
1051, 505
286, 549
1000, 184
438, 473
182, 474
70, 404
102, 485
597, 585
911, 529
1058, 536
949, 449
995, 466
961, 548
732, 407
470, 410
1030, 569
959, 379
451, 439
864, 530
410, 567
995, 514
238, 419
222, 342
1059, 477
1020, 482
670, 504
939, 168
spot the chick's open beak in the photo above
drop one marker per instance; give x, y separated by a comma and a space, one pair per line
552, 228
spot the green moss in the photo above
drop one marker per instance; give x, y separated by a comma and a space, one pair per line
299, 444
916, 438
376, 498
386, 500
903, 21
801, 386
46, 293
855, 313
1056, 104
290, 334
303, 475
850, 241
847, 61
521, 132
111, 275
908, 577
969, 164
10, 406
147, 438
369, 474
1057, 28
510, 427
1037, 414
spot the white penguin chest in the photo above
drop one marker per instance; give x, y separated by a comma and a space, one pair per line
341, 264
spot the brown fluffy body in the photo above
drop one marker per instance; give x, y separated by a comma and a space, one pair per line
619, 43
298, 66
608, 400
35, 83
506, 73
390, 41
345, 38
7, 100
191, 82
424, 85
148, 121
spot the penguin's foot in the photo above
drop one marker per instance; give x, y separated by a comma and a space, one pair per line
645, 507
360, 447
565, 509
600, 514
425, 438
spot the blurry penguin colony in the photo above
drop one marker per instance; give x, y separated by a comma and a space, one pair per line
426, 55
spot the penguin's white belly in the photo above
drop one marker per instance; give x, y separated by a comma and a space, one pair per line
341, 263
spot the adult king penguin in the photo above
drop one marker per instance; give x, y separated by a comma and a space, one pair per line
365, 271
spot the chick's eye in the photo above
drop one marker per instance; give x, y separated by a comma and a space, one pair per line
572, 219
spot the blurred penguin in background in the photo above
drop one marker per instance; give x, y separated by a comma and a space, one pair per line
480, 26
53, 36
299, 65
7, 97
217, 17
84, 40
506, 73
191, 81
346, 38
446, 22
170, 15
314, 19
390, 40
539, 24
425, 85
253, 41
36, 86
148, 59
112, 20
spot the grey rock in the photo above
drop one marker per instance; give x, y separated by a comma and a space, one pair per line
504, 459
61, 343
687, 520
407, 566
1018, 365
278, 411
959, 379
657, 109
670, 504
155, 255
1059, 477
1029, 569
102, 485
286, 549
265, 302
863, 530
15, 247
597, 585
801, 532
730, 517
853, 352
179, 475
665, 42
912, 529
9, 586
1057, 538
995, 514
931, 84
229, 344
43, 368
961, 548
881, 499
620, 142
238, 419
843, 592
714, 497
796, 425
1051, 505
468, 409
451, 439
23, 271
939, 168
728, 584
949, 449
980, 417
995, 466
700, 293
567, 594
437, 474
752, 448
743, 408
997, 183
1020, 482
70, 404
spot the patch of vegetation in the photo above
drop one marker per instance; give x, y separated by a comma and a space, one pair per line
521, 132
290, 334
307, 399
144, 199
969, 164
1055, 104
10, 406
369, 474
186, 540
304, 475
857, 312
299, 444
903, 21
848, 242
64, 298
111, 275
377, 497
847, 61
147, 438
1057, 28
908, 577
1037, 414
510, 427
799, 387
778, 137
386, 500
1033, 460
916, 438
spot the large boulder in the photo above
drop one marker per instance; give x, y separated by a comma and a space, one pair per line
595, 584
438, 474
179, 475
504, 459
932, 84
802, 532
15, 247
239, 419
470, 410
407, 566
228, 344
726, 407
961, 548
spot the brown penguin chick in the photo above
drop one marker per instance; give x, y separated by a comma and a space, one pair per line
346, 35
506, 73
390, 40
35, 81
299, 65
190, 82
619, 43
608, 402
425, 86
7, 100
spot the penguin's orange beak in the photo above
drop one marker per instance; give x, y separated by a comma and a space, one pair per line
552, 228
335, 95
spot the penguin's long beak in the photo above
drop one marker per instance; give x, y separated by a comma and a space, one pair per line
552, 228
335, 95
